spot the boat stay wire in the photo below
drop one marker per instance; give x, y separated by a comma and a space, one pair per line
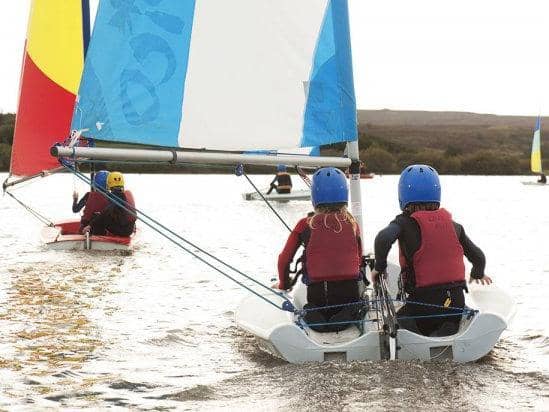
29, 209
164, 231
240, 171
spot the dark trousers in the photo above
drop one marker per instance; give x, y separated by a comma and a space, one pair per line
108, 222
332, 293
438, 325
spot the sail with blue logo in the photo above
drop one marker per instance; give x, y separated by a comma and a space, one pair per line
234, 75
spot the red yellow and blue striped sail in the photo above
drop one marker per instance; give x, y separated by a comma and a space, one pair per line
50, 75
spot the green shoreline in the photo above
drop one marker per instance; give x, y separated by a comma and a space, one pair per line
452, 142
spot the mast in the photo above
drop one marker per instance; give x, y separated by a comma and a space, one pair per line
354, 176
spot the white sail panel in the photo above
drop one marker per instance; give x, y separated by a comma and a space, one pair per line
221, 75
246, 80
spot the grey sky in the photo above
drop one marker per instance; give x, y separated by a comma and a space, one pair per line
485, 56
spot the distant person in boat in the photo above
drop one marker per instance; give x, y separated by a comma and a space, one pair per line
332, 254
115, 219
432, 247
94, 201
100, 181
282, 182
542, 178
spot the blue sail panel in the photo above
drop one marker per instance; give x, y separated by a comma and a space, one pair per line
133, 81
330, 112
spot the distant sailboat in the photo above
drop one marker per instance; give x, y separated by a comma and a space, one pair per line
535, 157
57, 38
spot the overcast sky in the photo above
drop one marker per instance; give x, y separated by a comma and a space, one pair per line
487, 56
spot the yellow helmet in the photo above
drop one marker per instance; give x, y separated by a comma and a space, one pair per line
115, 179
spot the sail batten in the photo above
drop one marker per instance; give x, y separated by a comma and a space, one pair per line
221, 75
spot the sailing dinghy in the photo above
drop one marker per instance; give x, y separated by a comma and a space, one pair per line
535, 157
57, 36
303, 194
230, 77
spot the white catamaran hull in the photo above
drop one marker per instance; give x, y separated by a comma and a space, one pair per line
304, 194
277, 332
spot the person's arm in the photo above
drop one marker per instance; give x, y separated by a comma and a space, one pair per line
474, 255
383, 243
77, 206
287, 255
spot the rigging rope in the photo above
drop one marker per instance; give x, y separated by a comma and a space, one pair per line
33, 212
266, 201
157, 226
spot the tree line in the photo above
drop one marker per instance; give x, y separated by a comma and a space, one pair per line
385, 149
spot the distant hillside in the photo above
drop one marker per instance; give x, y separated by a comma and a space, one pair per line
424, 118
453, 142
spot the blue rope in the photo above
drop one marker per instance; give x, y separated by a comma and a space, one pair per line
434, 305
286, 305
342, 305
440, 315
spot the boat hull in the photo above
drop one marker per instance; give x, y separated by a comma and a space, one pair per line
277, 332
66, 236
534, 184
279, 197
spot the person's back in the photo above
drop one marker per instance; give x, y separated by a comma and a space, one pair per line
282, 182
118, 218
331, 257
432, 247
94, 201
122, 219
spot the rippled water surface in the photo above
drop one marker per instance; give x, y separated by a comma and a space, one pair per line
155, 330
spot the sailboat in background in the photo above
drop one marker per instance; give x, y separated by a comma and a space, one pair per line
57, 38
535, 158
228, 77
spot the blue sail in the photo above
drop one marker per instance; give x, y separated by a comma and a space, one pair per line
225, 75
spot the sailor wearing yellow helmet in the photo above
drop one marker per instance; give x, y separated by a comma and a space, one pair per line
114, 218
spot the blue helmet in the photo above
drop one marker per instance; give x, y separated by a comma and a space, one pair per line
100, 179
418, 183
281, 168
329, 186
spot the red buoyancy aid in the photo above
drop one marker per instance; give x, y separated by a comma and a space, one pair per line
332, 252
439, 259
96, 203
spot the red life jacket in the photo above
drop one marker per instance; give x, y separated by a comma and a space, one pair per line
96, 203
331, 252
439, 259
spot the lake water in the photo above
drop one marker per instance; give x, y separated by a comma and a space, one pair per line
155, 329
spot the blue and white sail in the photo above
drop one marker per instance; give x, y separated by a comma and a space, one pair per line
219, 74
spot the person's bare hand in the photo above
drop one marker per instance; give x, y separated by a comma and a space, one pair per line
75, 195
86, 229
485, 280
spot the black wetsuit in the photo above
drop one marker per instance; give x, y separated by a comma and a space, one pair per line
405, 229
77, 206
281, 180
